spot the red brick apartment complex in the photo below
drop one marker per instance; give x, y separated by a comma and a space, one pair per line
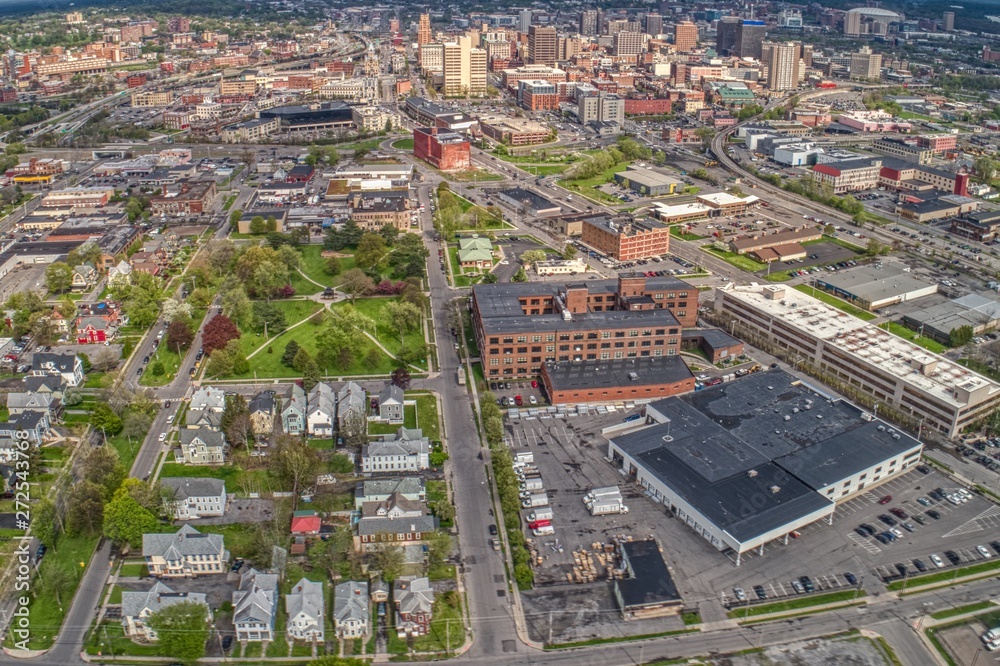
520, 326
626, 241
448, 151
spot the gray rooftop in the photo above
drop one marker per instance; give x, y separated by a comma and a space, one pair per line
156, 598
873, 283
187, 541
720, 435
185, 487
350, 601
627, 372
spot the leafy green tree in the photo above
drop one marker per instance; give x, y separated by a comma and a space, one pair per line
125, 520
291, 350
371, 250
85, 509
389, 234
356, 283
519, 276
960, 335
402, 316
182, 630
104, 419
530, 257
58, 277
257, 225
332, 266
45, 522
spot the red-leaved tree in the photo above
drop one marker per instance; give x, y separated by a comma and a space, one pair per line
218, 331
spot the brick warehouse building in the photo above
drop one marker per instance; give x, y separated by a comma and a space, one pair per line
448, 151
520, 326
627, 240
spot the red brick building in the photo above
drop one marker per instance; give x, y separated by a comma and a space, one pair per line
448, 151
187, 197
626, 241
135, 80
647, 106
939, 143
520, 326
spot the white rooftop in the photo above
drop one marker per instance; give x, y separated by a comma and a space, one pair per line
725, 199
663, 210
925, 371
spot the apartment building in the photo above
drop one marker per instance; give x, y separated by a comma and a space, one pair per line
849, 175
520, 326
151, 99
782, 62
899, 149
626, 240
939, 393
628, 43
865, 64
250, 131
543, 45
685, 37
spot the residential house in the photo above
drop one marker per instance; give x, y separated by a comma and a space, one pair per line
379, 590
137, 606
185, 553
206, 407
60, 323
406, 451
195, 497
350, 609
92, 330
51, 385
375, 531
255, 603
43, 403
68, 366
201, 447
321, 410
30, 426
120, 275
351, 406
305, 607
84, 277
261, 408
390, 404
379, 490
293, 412
414, 601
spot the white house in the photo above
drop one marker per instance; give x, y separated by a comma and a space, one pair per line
185, 553
406, 451
120, 275
254, 604
206, 407
350, 609
138, 606
321, 410
195, 497
305, 611
68, 366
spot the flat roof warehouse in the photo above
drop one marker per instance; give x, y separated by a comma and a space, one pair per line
749, 461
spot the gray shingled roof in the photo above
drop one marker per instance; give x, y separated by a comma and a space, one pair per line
185, 487
350, 601
209, 437
185, 542
156, 598
256, 598
413, 595
306, 597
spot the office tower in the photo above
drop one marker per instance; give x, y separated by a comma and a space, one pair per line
464, 68
588, 22
477, 71
627, 43
739, 37
622, 25
807, 55
949, 21
782, 62
568, 47
431, 57
654, 24
865, 64
524, 20
685, 36
726, 33
424, 30
543, 45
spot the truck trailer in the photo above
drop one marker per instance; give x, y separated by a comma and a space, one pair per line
535, 499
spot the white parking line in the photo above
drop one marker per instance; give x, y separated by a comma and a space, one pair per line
977, 524
864, 543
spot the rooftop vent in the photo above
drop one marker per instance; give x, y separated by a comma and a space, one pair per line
632, 376
774, 490
752, 473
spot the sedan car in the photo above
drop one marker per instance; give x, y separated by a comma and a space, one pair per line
740, 594
899, 513
493, 530
885, 500
924, 501
982, 551
934, 514
938, 562
759, 591
952, 556
919, 565
888, 520
807, 583
850, 578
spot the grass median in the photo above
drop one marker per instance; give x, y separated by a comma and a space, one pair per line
961, 610
796, 603
981, 569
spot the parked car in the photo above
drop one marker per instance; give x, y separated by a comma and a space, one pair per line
759, 591
850, 578
885, 500
807, 583
919, 565
938, 562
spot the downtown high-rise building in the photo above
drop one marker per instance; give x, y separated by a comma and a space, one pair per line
782, 62
685, 37
463, 68
424, 30
524, 20
627, 43
543, 45
590, 22
654, 24
949, 21
865, 64
740, 37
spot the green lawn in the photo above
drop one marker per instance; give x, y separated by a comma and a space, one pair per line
409, 421
447, 630
838, 303
109, 638
46, 613
740, 261
945, 576
169, 357
795, 603
677, 232
126, 449
134, 569
302, 286
385, 333
230, 200
961, 610
427, 416
403, 144
923, 341
314, 265
471, 176
588, 186
239, 537
98, 380
235, 478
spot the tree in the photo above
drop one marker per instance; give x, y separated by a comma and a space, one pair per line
371, 250
875, 248
136, 425
234, 217
106, 359
182, 630
960, 335
56, 582
569, 252
157, 368
305, 364
388, 560
291, 349
58, 277
493, 429
257, 225
104, 419
85, 509
519, 276
409, 257
236, 304
443, 509
829, 230
125, 520
400, 377
490, 278
294, 463
219, 364
438, 544
179, 335
174, 310
332, 266
356, 283
403, 316
45, 522
390, 233
102, 467
218, 332
268, 317
530, 257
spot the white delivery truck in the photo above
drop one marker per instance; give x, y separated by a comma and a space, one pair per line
600, 494
525, 457
535, 500
604, 507
532, 483
544, 513
543, 530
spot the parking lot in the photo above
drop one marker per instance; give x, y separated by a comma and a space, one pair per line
569, 453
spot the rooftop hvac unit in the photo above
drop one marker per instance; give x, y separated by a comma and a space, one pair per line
752, 473
774, 490
787, 417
